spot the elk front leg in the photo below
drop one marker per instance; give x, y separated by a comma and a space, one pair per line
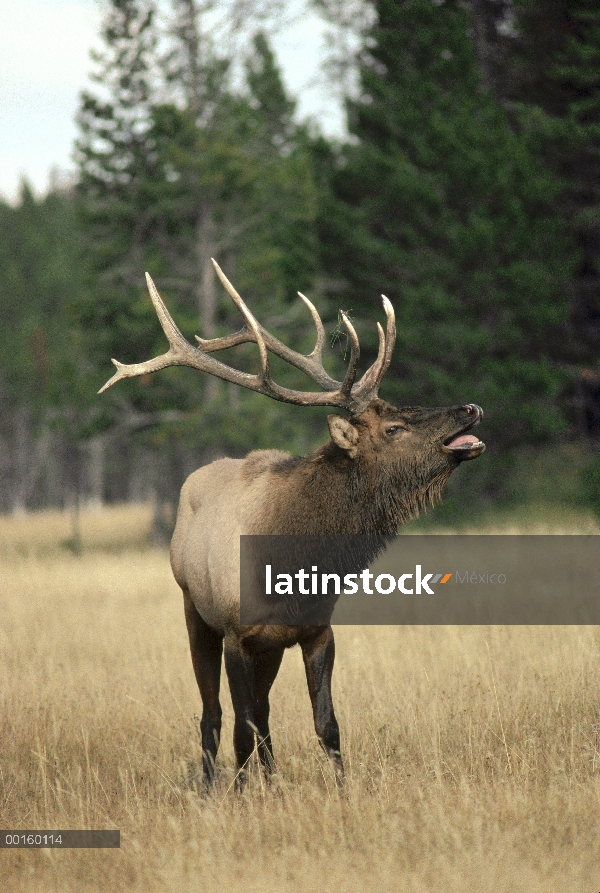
239, 664
206, 647
318, 652
267, 667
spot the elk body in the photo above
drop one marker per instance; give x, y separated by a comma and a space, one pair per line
380, 466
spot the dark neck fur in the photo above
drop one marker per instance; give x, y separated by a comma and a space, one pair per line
328, 493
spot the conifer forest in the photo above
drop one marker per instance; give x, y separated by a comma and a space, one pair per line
466, 189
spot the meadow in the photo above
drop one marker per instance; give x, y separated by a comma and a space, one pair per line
472, 753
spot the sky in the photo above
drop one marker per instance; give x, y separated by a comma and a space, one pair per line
44, 63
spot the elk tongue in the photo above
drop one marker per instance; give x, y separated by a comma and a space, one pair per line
463, 440
465, 447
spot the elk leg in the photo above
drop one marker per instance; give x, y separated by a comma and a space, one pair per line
318, 652
206, 647
266, 669
240, 673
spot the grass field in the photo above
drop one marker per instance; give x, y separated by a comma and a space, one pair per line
473, 754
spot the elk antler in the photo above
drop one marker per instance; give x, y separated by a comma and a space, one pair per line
345, 395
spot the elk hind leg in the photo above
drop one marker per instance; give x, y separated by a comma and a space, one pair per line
206, 648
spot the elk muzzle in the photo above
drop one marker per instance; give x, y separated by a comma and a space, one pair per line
464, 446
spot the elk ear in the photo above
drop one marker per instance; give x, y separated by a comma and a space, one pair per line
344, 434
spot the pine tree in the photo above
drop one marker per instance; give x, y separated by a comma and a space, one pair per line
553, 56
285, 194
45, 398
441, 206
117, 165
40, 279
177, 167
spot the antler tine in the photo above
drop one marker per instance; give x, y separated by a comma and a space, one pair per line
264, 374
368, 386
317, 351
229, 288
354, 355
370, 379
172, 358
251, 324
390, 336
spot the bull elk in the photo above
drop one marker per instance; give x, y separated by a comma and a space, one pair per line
381, 465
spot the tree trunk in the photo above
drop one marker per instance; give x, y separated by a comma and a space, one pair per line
22, 460
96, 452
206, 292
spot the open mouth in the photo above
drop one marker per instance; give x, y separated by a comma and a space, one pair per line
465, 446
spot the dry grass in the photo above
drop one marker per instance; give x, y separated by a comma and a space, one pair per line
473, 754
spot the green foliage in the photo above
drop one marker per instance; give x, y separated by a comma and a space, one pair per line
41, 278
442, 206
175, 167
555, 64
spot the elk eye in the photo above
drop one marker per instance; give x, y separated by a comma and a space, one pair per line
394, 429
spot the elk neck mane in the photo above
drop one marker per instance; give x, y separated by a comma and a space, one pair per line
327, 493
